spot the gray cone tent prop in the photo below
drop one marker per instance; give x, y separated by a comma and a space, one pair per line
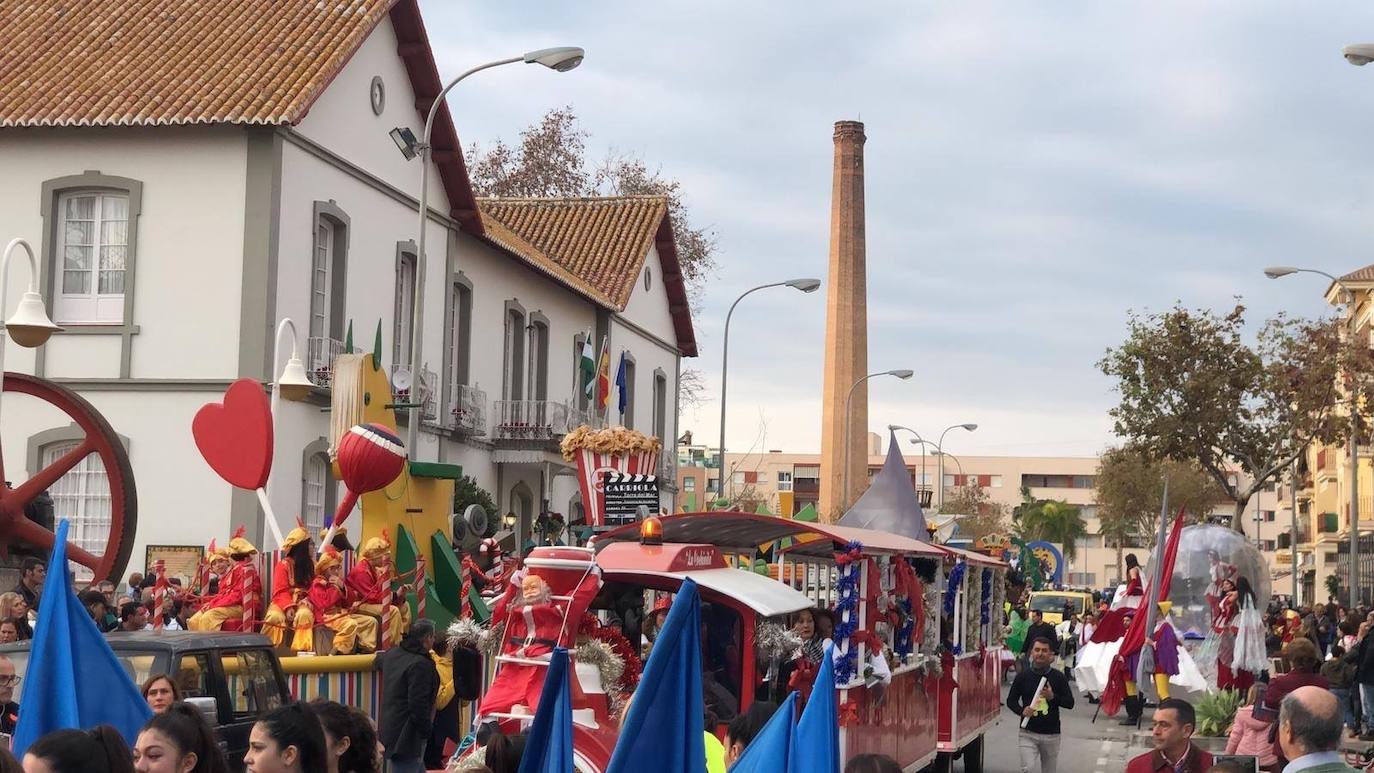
890, 504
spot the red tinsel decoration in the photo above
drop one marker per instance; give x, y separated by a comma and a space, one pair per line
611, 635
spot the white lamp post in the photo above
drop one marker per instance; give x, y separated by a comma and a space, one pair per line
559, 59
29, 326
903, 374
940, 452
294, 385
806, 286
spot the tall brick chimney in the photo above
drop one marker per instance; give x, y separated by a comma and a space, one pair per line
846, 328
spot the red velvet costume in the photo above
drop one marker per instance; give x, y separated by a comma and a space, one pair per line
285, 595
369, 587
232, 587
325, 596
532, 631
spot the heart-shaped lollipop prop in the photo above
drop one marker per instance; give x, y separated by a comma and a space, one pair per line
235, 437
370, 456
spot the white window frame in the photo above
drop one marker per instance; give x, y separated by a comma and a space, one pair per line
82, 496
404, 309
92, 307
784, 481
321, 278
315, 492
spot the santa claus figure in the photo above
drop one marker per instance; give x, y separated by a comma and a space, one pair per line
369, 583
532, 623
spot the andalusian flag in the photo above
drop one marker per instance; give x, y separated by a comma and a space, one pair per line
603, 378
588, 366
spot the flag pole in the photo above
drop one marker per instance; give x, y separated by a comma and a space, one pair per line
1156, 564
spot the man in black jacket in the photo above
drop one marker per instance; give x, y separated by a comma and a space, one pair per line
1036, 695
1039, 629
410, 685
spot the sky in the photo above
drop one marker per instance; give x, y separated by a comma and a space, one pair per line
1034, 171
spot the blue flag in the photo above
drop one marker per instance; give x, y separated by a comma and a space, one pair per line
771, 749
549, 743
622, 387
73, 679
816, 743
665, 729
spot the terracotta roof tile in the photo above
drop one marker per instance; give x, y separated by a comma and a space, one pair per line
597, 246
157, 62
1365, 274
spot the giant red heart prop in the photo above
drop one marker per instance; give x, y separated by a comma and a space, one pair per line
235, 436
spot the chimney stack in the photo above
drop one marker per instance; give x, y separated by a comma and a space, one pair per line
846, 328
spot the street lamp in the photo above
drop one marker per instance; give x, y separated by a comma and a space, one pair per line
901, 373
294, 385
29, 326
806, 286
940, 452
559, 59
1352, 448
1359, 54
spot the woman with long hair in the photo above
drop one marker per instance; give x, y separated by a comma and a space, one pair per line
288, 739
98, 750
1135, 585
352, 746
13, 605
178, 740
291, 580
160, 692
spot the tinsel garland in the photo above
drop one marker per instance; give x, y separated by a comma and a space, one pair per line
609, 665
984, 610
999, 597
612, 636
930, 642
847, 611
772, 640
956, 579
466, 632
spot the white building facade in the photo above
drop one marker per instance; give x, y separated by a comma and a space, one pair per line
169, 253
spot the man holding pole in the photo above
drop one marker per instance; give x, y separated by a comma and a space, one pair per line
1037, 695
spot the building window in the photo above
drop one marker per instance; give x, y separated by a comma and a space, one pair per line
315, 491
784, 481
93, 249
949, 481
628, 416
404, 310
1266, 544
539, 357
82, 496
660, 406
513, 357
459, 330
1268, 515
995, 481
328, 283
712, 485
689, 484
737, 479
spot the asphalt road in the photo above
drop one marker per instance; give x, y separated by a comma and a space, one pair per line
1085, 747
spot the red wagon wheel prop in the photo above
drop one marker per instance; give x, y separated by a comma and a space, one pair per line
99, 439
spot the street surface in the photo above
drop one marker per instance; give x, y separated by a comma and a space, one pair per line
1084, 747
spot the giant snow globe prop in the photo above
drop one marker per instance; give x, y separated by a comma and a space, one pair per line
1207, 554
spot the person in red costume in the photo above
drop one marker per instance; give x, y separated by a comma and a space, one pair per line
330, 598
370, 584
1135, 585
291, 579
239, 586
531, 624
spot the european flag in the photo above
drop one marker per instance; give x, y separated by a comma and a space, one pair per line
549, 743
665, 729
816, 742
771, 751
73, 679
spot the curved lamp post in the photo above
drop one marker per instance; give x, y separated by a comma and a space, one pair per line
806, 286
901, 373
940, 452
559, 59
29, 326
1352, 448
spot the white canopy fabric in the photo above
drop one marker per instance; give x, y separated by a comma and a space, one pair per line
764, 595
890, 504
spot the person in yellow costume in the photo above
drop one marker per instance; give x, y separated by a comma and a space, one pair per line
291, 580
330, 599
370, 582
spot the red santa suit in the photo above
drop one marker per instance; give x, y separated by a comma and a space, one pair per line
531, 631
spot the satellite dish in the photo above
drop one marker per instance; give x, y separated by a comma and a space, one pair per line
477, 519
401, 380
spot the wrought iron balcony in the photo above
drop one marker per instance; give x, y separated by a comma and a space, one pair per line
320, 355
467, 411
531, 420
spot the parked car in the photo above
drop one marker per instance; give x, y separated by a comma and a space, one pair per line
232, 678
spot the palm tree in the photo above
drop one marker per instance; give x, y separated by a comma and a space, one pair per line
1052, 521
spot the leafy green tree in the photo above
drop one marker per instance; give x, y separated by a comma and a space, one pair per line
1130, 488
1052, 521
1333, 585
1192, 387
981, 515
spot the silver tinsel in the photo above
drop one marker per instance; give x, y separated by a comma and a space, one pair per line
931, 641
595, 652
466, 632
773, 641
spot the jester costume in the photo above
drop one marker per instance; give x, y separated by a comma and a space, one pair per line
370, 584
330, 598
290, 603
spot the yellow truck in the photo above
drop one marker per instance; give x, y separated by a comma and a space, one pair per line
1053, 602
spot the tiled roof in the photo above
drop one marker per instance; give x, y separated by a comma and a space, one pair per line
1365, 274
156, 62
597, 246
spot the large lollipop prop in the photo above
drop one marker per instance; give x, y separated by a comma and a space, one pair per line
370, 456
235, 437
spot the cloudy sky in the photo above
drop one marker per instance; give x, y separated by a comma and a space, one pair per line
1034, 170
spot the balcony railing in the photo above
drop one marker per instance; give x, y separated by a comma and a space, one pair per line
467, 411
578, 417
319, 364
530, 420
